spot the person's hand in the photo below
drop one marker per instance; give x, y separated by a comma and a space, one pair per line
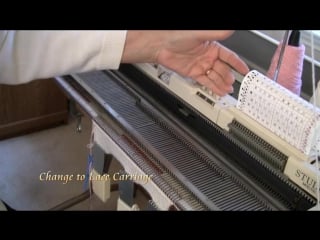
193, 54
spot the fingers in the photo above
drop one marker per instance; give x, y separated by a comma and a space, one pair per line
225, 72
232, 59
219, 79
210, 84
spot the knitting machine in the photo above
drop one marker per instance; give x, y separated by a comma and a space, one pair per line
253, 150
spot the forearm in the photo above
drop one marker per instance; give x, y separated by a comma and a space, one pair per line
28, 55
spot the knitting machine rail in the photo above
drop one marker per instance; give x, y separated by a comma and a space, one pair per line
197, 161
251, 155
191, 171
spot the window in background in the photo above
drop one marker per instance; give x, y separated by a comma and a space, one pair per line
258, 47
277, 35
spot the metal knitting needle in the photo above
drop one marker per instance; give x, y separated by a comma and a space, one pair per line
284, 43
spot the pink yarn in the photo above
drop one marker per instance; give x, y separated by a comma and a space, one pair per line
291, 68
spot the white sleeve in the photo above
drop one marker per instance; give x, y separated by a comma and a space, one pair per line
29, 55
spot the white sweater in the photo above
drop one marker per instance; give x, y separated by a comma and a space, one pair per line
29, 55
